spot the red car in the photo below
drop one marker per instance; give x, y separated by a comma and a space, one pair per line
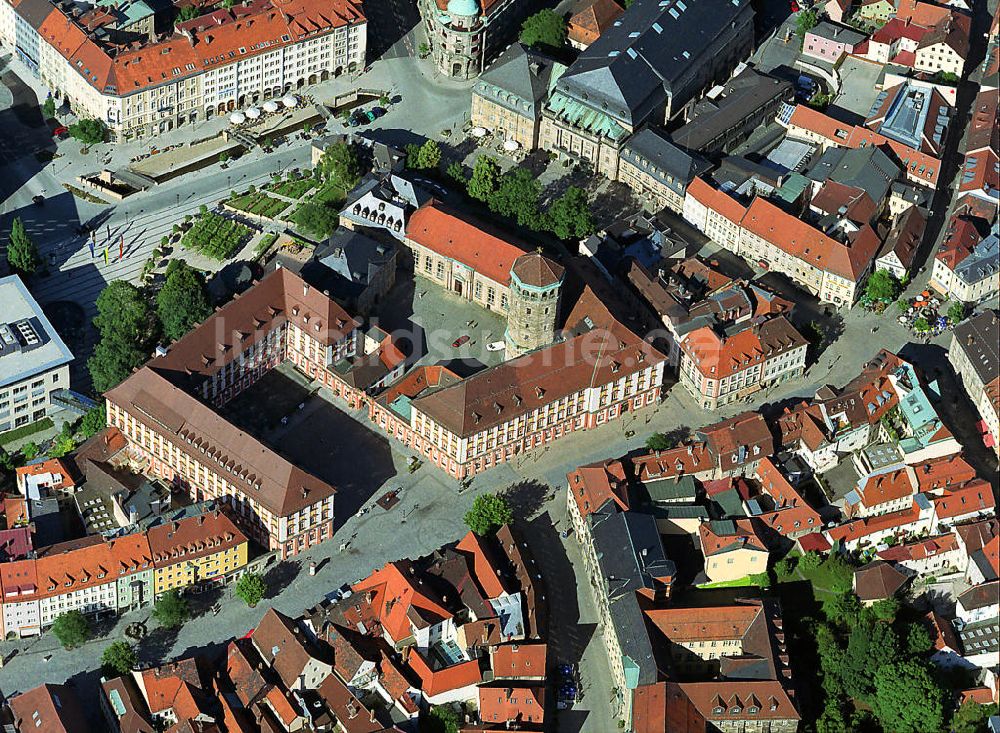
459, 341
61, 130
793, 6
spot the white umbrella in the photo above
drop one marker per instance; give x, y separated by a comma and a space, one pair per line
511, 145
478, 132
237, 118
270, 106
253, 113
290, 101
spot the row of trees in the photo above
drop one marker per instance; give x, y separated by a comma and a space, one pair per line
517, 195
130, 321
171, 611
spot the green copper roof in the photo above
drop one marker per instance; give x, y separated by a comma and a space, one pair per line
463, 7
585, 118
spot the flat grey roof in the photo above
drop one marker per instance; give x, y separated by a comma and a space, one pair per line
16, 304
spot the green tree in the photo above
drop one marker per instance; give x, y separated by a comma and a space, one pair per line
921, 325
868, 646
485, 178
545, 30
128, 329
22, 252
971, 717
908, 699
429, 155
810, 561
785, 566
71, 629
917, 640
441, 719
124, 314
171, 609
30, 450
49, 107
251, 588
94, 421
456, 172
341, 164
833, 719
517, 198
843, 608
188, 12
412, 151
111, 362
886, 609
659, 441
569, 215
182, 302
882, 285
89, 131
119, 658
956, 312
489, 512
316, 219
807, 20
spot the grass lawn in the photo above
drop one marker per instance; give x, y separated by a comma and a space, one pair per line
266, 241
748, 581
25, 430
329, 193
293, 189
215, 236
830, 579
258, 203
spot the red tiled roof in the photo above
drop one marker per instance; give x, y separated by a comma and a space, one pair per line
801, 240
350, 712
886, 487
518, 660
207, 42
76, 565
446, 679
587, 25
791, 512
664, 707
463, 239
731, 700
943, 472
711, 623
716, 200
18, 578
692, 458
392, 594
502, 705
943, 636
483, 569
596, 483
920, 550
878, 580
814, 542
975, 496
859, 528
192, 538
896, 29
48, 709
744, 537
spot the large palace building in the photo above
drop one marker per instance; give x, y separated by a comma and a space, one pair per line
166, 409
142, 73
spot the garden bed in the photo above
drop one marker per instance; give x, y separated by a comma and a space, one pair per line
215, 236
258, 203
293, 189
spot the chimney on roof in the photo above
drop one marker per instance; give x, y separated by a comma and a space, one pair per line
305, 288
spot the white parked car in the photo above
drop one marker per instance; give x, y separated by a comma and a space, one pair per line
496, 346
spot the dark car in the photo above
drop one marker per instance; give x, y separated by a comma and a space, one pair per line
378, 111
38, 200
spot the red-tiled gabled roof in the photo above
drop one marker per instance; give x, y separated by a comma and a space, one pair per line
975, 496
741, 700
943, 472
484, 570
855, 530
587, 26
886, 487
716, 200
690, 458
744, 536
444, 231
801, 240
503, 704
519, 660
437, 682
920, 550
791, 512
392, 594
664, 707
596, 483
